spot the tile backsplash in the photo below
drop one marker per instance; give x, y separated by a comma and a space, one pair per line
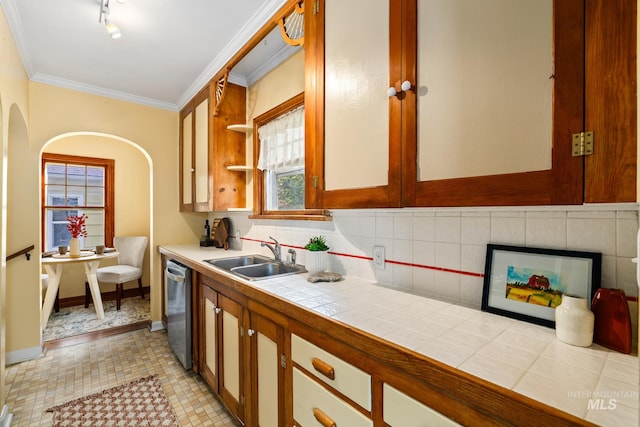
440, 253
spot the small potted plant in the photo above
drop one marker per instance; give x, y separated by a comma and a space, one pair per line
316, 256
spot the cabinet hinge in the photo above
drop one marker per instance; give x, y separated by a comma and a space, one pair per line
315, 181
316, 7
582, 144
241, 331
242, 400
283, 360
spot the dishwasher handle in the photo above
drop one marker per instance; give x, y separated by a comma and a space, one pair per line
177, 278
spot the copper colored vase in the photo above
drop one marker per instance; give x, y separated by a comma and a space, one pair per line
612, 327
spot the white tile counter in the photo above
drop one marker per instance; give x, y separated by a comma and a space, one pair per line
594, 383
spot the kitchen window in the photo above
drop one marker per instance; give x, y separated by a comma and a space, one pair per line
280, 162
74, 185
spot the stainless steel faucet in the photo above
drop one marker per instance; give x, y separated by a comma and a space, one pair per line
275, 248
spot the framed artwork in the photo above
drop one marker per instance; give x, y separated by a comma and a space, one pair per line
528, 283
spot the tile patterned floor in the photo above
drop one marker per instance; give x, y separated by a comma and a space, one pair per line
68, 373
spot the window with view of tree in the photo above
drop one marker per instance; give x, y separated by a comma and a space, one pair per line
280, 162
74, 185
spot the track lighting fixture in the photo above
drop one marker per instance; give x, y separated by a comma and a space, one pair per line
112, 28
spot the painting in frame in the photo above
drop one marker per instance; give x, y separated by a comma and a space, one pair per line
528, 283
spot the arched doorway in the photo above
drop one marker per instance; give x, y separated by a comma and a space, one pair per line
133, 197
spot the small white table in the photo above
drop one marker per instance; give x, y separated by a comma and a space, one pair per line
54, 264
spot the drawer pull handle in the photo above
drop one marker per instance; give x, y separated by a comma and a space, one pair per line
323, 418
324, 368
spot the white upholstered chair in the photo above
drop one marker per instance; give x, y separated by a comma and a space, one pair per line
131, 251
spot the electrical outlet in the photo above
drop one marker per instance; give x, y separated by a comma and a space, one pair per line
378, 257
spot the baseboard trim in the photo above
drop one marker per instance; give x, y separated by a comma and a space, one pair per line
156, 325
5, 417
13, 357
90, 336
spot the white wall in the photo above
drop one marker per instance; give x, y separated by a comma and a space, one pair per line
456, 239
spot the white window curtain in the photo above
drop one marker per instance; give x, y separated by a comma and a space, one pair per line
282, 143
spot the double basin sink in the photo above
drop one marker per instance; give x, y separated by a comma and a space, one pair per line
255, 267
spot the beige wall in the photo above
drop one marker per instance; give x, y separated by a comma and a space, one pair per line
13, 109
144, 142
280, 84
153, 133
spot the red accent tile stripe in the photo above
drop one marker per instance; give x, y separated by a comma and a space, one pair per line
407, 264
432, 267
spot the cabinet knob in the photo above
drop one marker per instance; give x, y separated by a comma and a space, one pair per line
215, 309
250, 332
193, 170
404, 87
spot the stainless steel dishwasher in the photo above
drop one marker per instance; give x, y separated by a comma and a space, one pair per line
178, 291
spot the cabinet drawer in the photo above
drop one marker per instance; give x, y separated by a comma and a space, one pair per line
312, 403
401, 410
344, 377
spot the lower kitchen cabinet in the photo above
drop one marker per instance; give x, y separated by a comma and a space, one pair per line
231, 356
333, 371
272, 364
326, 388
221, 347
268, 363
242, 355
315, 405
209, 344
401, 410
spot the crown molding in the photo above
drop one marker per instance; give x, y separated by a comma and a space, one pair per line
15, 24
100, 91
260, 18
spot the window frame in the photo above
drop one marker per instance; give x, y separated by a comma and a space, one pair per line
109, 185
259, 187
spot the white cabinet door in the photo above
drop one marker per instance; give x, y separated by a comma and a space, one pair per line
267, 381
267, 370
356, 105
201, 148
231, 354
187, 159
210, 369
485, 87
401, 410
315, 406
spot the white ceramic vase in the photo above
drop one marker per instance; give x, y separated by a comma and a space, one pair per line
574, 321
74, 247
316, 261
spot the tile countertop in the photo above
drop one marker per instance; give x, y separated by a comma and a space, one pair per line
594, 383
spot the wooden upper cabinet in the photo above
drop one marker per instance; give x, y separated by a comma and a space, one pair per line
229, 149
352, 132
611, 106
494, 99
207, 148
194, 154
